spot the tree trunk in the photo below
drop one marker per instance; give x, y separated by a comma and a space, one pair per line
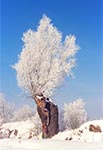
48, 113
53, 127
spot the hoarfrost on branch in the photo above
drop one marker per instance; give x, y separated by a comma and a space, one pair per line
45, 59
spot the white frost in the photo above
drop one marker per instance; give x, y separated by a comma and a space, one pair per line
45, 59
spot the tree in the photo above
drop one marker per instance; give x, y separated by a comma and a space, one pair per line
37, 124
5, 110
74, 114
27, 113
61, 121
23, 113
44, 61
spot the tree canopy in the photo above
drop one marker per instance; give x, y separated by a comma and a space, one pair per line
45, 58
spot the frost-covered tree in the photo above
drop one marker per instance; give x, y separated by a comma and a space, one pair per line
6, 110
45, 59
24, 113
37, 124
74, 114
61, 121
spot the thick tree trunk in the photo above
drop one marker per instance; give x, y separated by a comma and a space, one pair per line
49, 117
53, 127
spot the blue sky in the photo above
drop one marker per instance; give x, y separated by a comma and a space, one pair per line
80, 17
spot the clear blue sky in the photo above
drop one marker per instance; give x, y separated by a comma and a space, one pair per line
80, 17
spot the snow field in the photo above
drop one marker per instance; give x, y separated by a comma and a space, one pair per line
81, 138
50, 144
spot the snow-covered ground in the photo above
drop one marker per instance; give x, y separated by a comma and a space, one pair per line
19, 130
82, 133
11, 144
81, 138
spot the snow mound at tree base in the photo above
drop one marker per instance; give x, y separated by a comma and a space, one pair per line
91, 131
19, 130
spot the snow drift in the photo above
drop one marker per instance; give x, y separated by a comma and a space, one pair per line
19, 130
91, 131
84, 133
20, 136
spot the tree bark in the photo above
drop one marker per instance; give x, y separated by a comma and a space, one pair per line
48, 113
53, 127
